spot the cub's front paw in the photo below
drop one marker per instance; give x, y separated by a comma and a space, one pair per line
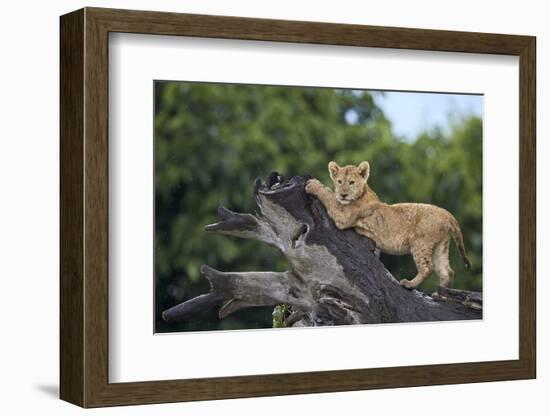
312, 186
406, 283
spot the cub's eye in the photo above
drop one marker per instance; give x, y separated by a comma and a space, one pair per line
339, 181
351, 182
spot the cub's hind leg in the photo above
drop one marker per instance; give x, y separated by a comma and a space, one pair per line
441, 263
423, 258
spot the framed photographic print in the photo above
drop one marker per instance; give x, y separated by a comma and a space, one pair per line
255, 207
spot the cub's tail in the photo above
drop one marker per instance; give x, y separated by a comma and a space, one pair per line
459, 241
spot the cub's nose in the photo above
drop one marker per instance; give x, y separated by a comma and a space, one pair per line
343, 196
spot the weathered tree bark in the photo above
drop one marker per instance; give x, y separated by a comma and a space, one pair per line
335, 277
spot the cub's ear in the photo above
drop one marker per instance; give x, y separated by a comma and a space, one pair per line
364, 169
333, 169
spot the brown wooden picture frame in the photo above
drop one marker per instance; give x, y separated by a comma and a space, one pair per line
84, 207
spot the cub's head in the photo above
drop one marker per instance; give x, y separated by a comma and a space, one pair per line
349, 181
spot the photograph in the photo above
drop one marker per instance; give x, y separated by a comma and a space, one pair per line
304, 206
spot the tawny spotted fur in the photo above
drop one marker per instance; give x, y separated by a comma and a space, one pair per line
422, 230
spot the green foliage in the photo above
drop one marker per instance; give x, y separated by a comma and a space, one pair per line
213, 140
280, 312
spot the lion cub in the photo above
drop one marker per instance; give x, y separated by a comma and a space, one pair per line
420, 229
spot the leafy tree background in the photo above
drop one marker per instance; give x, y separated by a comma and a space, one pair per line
213, 140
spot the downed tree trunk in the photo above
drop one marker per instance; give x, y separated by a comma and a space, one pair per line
335, 277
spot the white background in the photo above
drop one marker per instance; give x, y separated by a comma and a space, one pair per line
29, 221
136, 60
